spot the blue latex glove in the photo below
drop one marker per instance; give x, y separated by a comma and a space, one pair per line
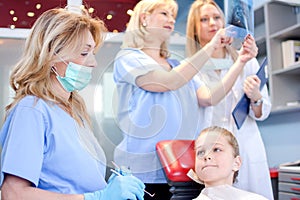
119, 188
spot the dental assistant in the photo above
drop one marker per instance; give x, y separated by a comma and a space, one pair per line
49, 151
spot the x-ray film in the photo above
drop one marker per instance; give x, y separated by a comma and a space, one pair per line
239, 15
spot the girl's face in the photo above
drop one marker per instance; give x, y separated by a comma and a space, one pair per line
85, 57
215, 163
160, 22
210, 22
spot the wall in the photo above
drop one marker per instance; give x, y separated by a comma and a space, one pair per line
280, 132
10, 51
281, 135
257, 3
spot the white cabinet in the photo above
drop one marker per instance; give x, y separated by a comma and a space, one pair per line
275, 22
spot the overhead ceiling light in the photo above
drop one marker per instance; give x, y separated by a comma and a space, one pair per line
12, 12
109, 16
38, 6
129, 12
30, 14
12, 26
91, 10
15, 19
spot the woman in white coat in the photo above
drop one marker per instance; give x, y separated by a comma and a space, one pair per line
205, 18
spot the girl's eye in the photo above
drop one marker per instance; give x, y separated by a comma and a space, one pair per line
217, 149
200, 153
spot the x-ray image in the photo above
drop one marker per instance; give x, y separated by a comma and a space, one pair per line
239, 16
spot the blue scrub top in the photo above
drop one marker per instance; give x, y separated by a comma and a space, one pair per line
40, 143
148, 117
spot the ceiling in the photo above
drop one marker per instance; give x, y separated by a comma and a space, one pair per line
116, 8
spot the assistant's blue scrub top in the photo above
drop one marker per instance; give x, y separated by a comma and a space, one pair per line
148, 117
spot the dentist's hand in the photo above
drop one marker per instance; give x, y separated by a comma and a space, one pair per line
119, 188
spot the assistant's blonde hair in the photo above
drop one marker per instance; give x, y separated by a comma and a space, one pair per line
136, 33
193, 24
56, 32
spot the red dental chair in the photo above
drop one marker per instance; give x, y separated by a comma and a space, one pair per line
177, 157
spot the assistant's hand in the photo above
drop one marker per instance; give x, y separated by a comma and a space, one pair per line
220, 39
251, 87
249, 49
119, 188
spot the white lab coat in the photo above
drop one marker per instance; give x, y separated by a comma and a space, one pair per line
254, 174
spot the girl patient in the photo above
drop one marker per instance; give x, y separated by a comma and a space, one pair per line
217, 164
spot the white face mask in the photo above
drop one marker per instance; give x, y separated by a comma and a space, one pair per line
76, 77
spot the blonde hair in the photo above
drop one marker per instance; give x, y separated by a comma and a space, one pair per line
136, 33
193, 39
230, 138
56, 31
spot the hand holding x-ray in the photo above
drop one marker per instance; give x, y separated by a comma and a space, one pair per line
239, 16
